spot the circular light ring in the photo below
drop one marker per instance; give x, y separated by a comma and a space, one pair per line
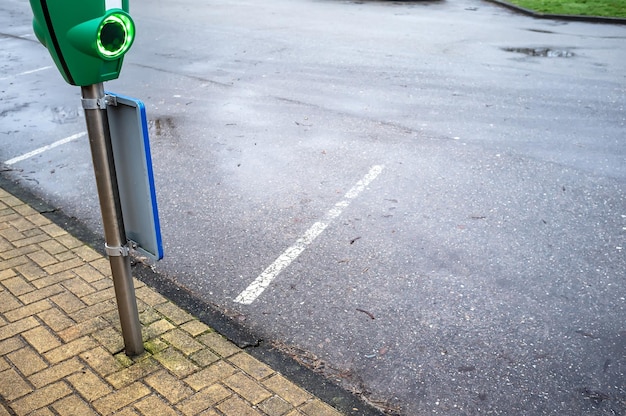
115, 35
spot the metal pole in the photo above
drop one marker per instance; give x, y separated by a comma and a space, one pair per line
115, 237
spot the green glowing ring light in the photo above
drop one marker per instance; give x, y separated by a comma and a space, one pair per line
116, 34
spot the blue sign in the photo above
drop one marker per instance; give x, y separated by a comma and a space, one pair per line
133, 165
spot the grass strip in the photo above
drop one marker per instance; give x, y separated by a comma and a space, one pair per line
604, 8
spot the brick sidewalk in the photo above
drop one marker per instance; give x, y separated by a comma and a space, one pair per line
60, 340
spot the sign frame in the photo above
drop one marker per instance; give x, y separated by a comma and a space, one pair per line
128, 125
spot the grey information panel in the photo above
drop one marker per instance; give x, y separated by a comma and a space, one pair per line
133, 165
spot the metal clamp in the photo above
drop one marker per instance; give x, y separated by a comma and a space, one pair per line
116, 251
99, 103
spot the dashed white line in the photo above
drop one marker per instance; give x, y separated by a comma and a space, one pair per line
254, 290
45, 148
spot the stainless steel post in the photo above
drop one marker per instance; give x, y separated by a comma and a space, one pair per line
110, 206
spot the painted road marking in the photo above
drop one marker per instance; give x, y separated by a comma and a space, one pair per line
45, 148
284, 260
32, 71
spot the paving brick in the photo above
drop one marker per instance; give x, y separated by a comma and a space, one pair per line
56, 372
127, 411
152, 405
295, 412
168, 386
88, 273
84, 328
92, 311
176, 362
8, 301
247, 388
11, 201
136, 371
10, 233
69, 241
7, 273
149, 316
203, 399
86, 253
30, 240
195, 328
251, 365
219, 344
157, 328
65, 256
101, 361
4, 364
30, 271
109, 338
55, 319
42, 412
73, 406
27, 361
104, 283
41, 339
18, 327
4, 243
41, 398
210, 375
17, 285
28, 310
37, 219
22, 224
182, 341
16, 252
53, 247
318, 408
48, 280
173, 313
54, 231
42, 258
275, 406
78, 287
99, 296
13, 385
108, 404
234, 406
204, 357
32, 232
70, 349
25, 210
10, 344
102, 265
287, 390
63, 266
89, 385
149, 296
210, 412
40, 294
68, 302
14, 262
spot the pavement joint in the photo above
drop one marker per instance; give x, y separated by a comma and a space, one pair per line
60, 340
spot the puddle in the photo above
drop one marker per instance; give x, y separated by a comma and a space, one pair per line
542, 52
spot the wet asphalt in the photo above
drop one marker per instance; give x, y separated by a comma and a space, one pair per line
480, 272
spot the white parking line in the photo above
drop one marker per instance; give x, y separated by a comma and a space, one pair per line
45, 148
32, 71
263, 281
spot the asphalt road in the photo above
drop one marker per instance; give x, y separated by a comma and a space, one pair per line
446, 210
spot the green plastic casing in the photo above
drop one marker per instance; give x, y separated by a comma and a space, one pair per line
86, 41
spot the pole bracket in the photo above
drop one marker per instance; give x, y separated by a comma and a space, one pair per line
116, 251
99, 103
